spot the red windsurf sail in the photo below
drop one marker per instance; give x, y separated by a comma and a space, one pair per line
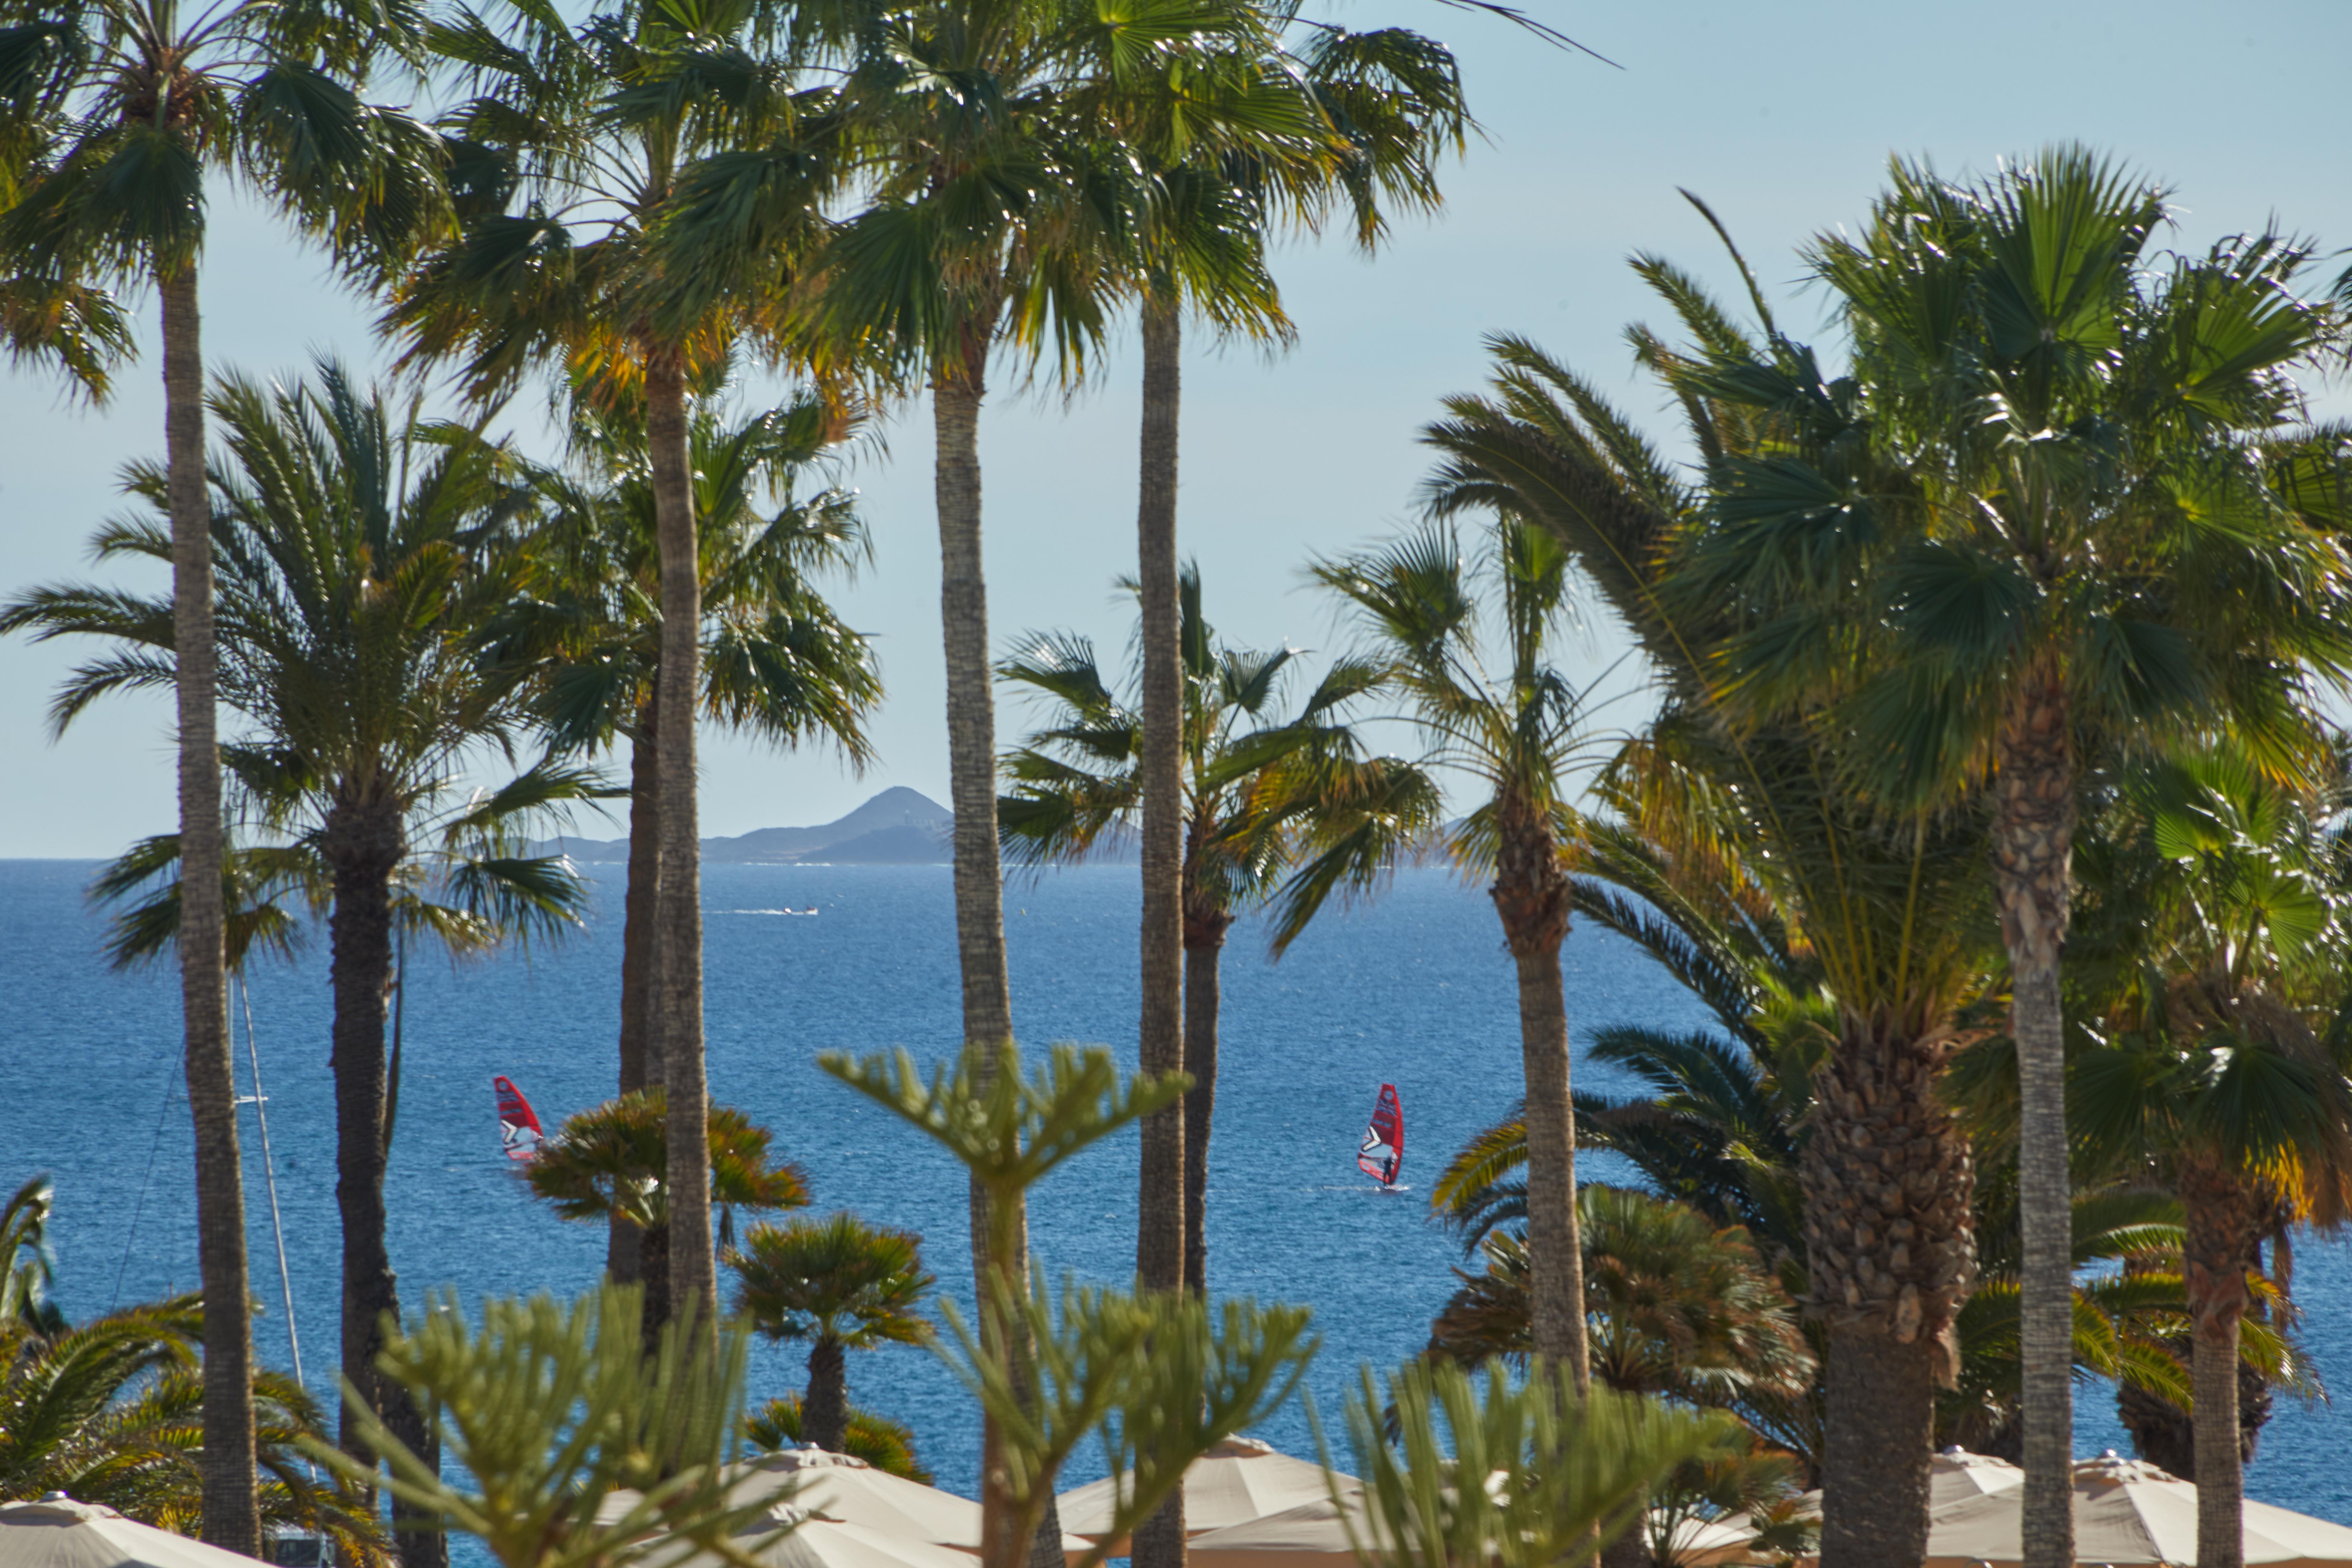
519, 1134
1383, 1150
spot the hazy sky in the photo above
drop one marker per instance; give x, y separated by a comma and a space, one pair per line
1782, 116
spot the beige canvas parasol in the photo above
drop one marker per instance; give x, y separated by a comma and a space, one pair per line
1954, 1477
842, 1489
58, 1533
1238, 1480
794, 1536
2128, 1511
1311, 1535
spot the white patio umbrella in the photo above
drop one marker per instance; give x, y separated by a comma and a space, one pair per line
1238, 1480
2128, 1511
792, 1537
58, 1533
841, 1490
1954, 1477
1311, 1535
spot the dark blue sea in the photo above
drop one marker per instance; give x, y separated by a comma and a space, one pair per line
1413, 990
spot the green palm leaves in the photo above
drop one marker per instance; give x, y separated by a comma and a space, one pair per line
1290, 809
841, 1284
836, 1278
109, 1412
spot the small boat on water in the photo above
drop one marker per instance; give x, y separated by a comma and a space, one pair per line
1383, 1148
519, 1134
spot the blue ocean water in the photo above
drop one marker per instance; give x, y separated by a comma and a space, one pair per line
1413, 990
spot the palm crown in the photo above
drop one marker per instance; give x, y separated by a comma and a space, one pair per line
838, 1280
1291, 807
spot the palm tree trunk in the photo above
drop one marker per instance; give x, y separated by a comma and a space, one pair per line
363, 844
2034, 827
1204, 946
678, 1026
232, 1516
2220, 1247
825, 1412
1890, 1255
956, 395
1160, 1211
1531, 895
1162, 1218
623, 1250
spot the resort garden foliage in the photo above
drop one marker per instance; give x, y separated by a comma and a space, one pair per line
1990, 799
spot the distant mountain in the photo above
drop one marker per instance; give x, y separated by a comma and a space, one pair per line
900, 827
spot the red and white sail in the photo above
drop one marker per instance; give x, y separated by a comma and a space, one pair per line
1383, 1150
519, 1134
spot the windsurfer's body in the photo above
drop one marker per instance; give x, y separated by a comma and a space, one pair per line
1381, 1154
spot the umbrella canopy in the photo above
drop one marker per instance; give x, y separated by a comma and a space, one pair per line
1238, 1480
839, 1489
1311, 1535
58, 1533
2128, 1511
848, 1490
793, 1537
1956, 1475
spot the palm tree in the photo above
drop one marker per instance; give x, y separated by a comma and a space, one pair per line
610, 1165
1515, 730
1201, 245
2091, 540
1883, 902
27, 1271
1006, 230
108, 1412
363, 558
776, 662
574, 140
1289, 809
842, 1284
1676, 1306
2229, 1066
111, 118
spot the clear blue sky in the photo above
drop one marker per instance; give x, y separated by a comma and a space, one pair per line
1782, 116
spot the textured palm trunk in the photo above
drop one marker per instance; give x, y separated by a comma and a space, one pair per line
624, 1243
1162, 1216
1891, 1255
999, 1249
1204, 945
825, 1412
693, 1261
2221, 1217
1531, 895
232, 1516
362, 844
2033, 835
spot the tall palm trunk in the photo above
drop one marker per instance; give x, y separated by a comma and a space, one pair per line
999, 1251
677, 1025
624, 1243
2221, 1216
1162, 1216
824, 1412
232, 1516
1531, 895
1887, 1182
1204, 944
2033, 835
362, 844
